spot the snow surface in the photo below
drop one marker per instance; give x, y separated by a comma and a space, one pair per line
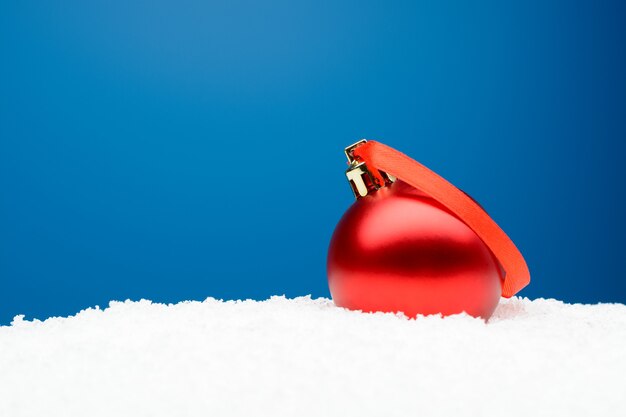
302, 357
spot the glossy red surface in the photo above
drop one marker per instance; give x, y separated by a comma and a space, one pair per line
397, 250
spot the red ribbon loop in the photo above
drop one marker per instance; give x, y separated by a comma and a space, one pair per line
383, 158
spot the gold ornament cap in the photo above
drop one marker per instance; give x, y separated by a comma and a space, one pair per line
359, 176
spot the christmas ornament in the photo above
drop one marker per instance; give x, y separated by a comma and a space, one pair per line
414, 243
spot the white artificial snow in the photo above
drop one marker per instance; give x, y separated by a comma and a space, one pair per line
304, 357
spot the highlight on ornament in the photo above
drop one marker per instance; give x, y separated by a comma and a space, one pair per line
414, 243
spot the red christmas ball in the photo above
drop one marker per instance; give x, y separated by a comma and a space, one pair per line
398, 250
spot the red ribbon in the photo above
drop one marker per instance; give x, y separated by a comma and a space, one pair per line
383, 158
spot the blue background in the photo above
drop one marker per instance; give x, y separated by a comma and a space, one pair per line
179, 150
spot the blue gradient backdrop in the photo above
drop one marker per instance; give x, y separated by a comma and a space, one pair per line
179, 150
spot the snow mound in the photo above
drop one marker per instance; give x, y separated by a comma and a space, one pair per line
306, 357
